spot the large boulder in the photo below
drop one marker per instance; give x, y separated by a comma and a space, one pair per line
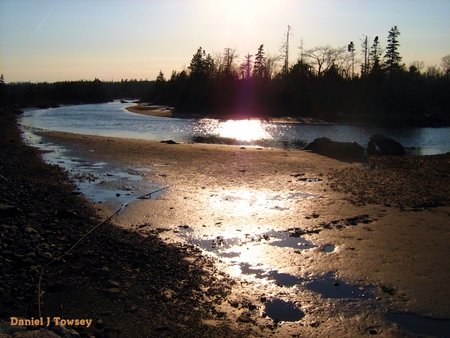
387, 145
327, 147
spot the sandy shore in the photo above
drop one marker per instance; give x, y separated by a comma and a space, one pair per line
397, 237
162, 111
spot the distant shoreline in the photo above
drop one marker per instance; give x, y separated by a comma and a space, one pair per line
163, 111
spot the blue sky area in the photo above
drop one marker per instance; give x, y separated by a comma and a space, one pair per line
61, 40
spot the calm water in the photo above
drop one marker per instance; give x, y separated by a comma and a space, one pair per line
111, 119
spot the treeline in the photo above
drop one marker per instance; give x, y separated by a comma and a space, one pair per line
325, 82
71, 92
336, 84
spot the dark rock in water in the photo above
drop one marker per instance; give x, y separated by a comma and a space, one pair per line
371, 148
327, 147
387, 145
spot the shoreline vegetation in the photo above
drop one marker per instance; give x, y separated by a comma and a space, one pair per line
325, 83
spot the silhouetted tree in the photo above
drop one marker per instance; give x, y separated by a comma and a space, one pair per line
246, 67
365, 66
96, 93
324, 57
3, 91
258, 67
375, 55
392, 56
351, 49
285, 51
445, 63
159, 91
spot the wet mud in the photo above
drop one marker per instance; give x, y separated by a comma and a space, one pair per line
291, 246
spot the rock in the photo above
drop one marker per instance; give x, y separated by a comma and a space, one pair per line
99, 324
102, 272
327, 147
6, 209
169, 142
387, 145
252, 307
133, 308
371, 148
113, 283
244, 318
62, 331
114, 291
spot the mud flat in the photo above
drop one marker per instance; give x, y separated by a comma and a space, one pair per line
260, 241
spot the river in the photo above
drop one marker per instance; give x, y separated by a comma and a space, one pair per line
113, 120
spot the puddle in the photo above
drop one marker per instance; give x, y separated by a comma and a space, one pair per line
221, 245
248, 269
100, 182
330, 287
280, 310
284, 279
421, 326
287, 239
328, 248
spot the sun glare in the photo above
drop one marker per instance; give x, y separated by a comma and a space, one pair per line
243, 130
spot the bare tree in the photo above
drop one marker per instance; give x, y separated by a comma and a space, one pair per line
445, 63
229, 61
324, 57
285, 50
271, 66
433, 72
417, 66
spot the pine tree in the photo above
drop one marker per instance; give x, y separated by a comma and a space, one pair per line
258, 67
375, 55
365, 67
197, 66
392, 55
351, 49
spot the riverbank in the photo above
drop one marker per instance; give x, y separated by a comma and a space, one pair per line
163, 111
386, 218
430, 118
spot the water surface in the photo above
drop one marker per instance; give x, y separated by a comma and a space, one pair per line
112, 119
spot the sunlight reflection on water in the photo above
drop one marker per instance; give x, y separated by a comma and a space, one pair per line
243, 130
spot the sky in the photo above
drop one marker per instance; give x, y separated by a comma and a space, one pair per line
61, 40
